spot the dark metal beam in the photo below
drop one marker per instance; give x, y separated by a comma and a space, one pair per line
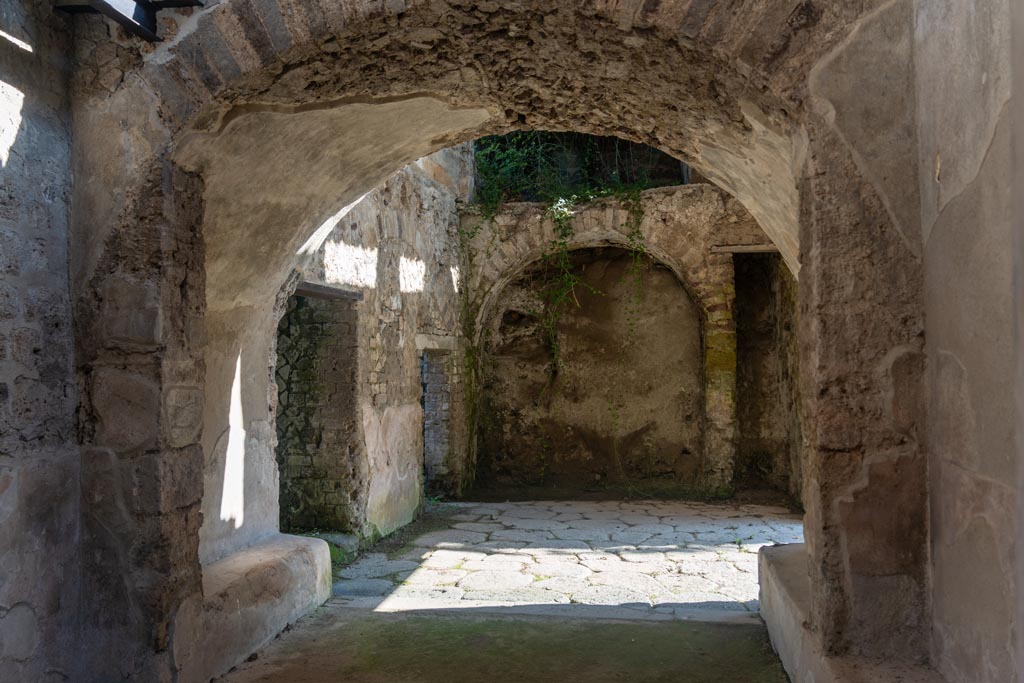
313, 290
138, 17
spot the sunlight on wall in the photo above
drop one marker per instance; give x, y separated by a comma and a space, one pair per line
411, 274
18, 42
455, 278
232, 502
313, 244
11, 101
348, 264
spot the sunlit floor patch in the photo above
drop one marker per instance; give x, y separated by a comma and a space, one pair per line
543, 591
661, 559
338, 643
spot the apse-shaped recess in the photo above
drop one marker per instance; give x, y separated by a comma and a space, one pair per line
607, 393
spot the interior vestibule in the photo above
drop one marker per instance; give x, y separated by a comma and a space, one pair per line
156, 198
630, 386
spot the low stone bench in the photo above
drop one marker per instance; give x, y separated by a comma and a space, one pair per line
248, 598
785, 602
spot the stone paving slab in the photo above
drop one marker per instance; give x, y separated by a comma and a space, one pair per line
662, 559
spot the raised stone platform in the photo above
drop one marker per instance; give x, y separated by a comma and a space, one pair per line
248, 598
785, 600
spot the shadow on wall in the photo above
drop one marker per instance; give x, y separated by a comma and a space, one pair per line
40, 558
605, 392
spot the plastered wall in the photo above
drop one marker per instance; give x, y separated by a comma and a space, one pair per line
962, 62
619, 406
39, 456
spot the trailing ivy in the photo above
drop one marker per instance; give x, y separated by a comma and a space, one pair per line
542, 166
561, 171
564, 170
638, 258
561, 278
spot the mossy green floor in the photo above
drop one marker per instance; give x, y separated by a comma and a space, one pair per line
339, 644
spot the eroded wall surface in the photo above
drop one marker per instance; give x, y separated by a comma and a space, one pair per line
962, 61
39, 456
620, 406
1017, 108
680, 226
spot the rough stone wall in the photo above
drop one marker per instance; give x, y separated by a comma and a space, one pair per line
680, 226
322, 462
767, 403
865, 480
247, 81
39, 456
139, 337
621, 406
445, 451
786, 329
962, 61
399, 248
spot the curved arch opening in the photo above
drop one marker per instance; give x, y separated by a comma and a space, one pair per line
606, 397
282, 126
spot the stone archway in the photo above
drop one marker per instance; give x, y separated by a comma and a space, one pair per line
679, 226
271, 117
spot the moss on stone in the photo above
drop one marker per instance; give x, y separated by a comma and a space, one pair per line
471, 647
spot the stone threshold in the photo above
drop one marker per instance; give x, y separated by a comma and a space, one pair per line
427, 606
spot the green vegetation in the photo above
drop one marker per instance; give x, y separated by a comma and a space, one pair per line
541, 166
561, 171
564, 170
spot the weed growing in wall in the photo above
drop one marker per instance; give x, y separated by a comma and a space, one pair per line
639, 258
564, 170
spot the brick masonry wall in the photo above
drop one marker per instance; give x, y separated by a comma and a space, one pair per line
350, 425
444, 434
322, 462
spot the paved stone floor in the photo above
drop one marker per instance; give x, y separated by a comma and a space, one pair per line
654, 559
567, 591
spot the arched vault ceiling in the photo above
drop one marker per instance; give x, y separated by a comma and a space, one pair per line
314, 107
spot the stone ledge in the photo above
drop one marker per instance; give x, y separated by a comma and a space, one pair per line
785, 607
248, 598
